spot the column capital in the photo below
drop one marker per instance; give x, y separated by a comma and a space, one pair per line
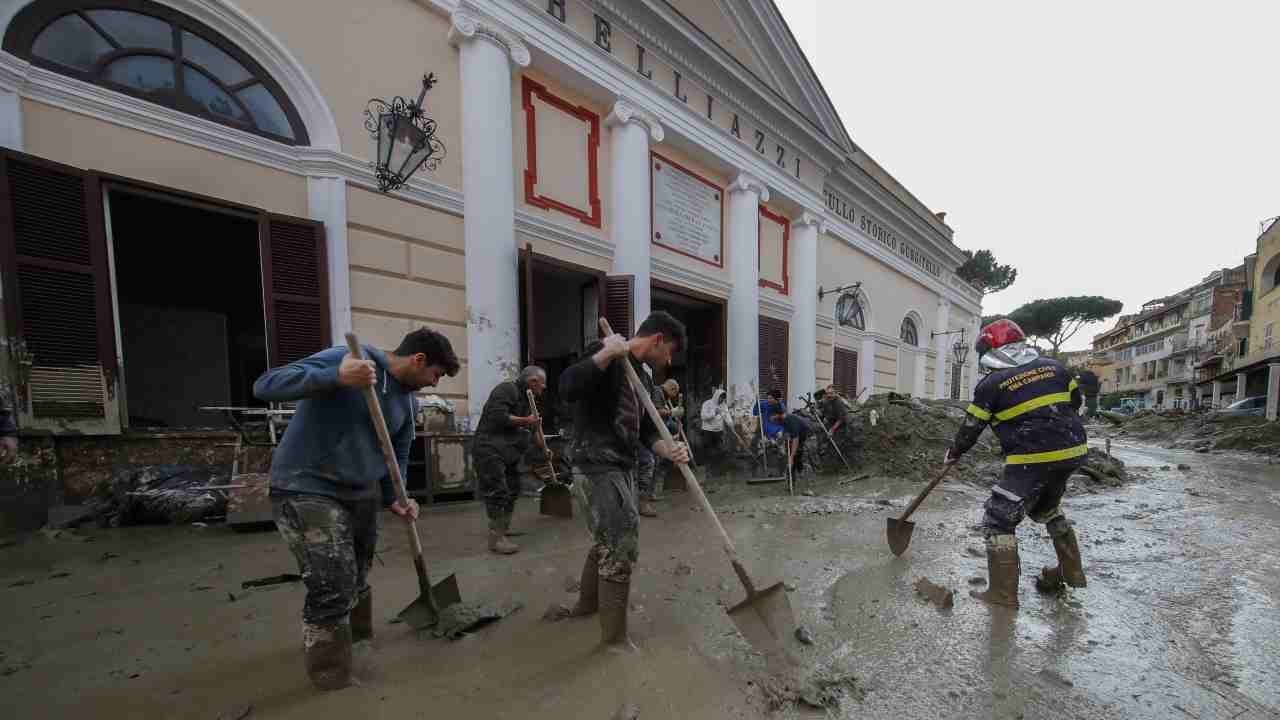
808, 218
746, 182
467, 23
626, 110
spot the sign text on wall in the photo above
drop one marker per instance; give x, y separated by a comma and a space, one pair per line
873, 228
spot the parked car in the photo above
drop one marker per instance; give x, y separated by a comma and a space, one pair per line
1256, 405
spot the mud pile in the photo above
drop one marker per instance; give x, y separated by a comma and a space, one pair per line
1200, 431
910, 436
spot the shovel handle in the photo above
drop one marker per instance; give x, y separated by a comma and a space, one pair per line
542, 436
639, 389
925, 493
393, 469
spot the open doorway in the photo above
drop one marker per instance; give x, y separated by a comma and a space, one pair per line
189, 304
699, 368
561, 306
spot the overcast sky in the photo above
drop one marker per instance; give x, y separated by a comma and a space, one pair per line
1123, 149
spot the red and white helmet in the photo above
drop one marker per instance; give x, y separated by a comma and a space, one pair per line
998, 334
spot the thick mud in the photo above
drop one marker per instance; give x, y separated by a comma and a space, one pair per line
1179, 619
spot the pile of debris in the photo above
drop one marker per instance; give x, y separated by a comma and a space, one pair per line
159, 494
908, 437
1203, 431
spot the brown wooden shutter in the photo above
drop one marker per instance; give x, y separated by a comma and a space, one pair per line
295, 286
619, 299
58, 305
526, 304
845, 373
773, 355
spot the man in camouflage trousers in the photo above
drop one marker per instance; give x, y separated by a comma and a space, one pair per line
610, 423
502, 437
329, 479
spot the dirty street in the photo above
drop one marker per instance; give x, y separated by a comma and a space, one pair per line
1179, 618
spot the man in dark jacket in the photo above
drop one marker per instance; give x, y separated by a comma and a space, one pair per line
795, 433
329, 478
1032, 404
502, 437
610, 422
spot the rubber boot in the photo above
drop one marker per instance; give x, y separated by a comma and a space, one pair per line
506, 526
362, 618
1069, 570
647, 509
614, 601
327, 651
1003, 568
498, 542
588, 592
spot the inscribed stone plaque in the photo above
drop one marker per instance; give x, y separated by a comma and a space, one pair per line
687, 212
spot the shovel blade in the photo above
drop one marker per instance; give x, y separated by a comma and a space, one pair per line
419, 615
555, 500
766, 620
899, 534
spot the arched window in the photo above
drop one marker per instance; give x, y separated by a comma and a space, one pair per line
908, 334
151, 52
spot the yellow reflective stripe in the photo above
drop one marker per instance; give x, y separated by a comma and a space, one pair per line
978, 412
1072, 385
1046, 457
1033, 404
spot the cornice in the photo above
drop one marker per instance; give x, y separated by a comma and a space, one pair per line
681, 274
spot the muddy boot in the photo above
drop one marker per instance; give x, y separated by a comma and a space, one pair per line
647, 509
506, 527
362, 618
614, 602
1003, 568
498, 542
327, 650
1069, 569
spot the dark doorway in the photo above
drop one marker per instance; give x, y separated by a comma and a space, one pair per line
558, 314
188, 283
699, 368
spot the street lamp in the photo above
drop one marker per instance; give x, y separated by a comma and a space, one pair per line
405, 138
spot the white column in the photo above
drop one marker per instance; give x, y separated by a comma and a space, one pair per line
1242, 380
327, 202
10, 120
973, 360
631, 129
1273, 390
922, 364
802, 370
746, 192
486, 52
1217, 394
867, 367
942, 346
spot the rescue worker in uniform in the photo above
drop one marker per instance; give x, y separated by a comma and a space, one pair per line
1032, 404
501, 439
329, 479
610, 422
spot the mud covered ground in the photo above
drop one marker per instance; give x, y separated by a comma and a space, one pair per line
1200, 431
1179, 620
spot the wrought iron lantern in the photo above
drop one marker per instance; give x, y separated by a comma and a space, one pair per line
405, 138
960, 348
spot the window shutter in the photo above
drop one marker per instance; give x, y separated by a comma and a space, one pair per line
773, 355
845, 374
619, 299
295, 286
58, 306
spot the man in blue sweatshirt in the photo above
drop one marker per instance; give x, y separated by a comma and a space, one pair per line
329, 479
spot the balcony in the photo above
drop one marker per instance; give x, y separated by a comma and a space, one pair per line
1180, 325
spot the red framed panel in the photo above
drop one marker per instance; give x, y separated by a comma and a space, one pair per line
590, 215
766, 214
655, 162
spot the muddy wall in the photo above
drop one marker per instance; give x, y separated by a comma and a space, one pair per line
27, 485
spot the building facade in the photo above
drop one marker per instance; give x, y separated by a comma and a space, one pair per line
188, 199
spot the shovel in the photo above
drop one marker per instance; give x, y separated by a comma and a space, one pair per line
425, 611
765, 617
554, 498
899, 529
